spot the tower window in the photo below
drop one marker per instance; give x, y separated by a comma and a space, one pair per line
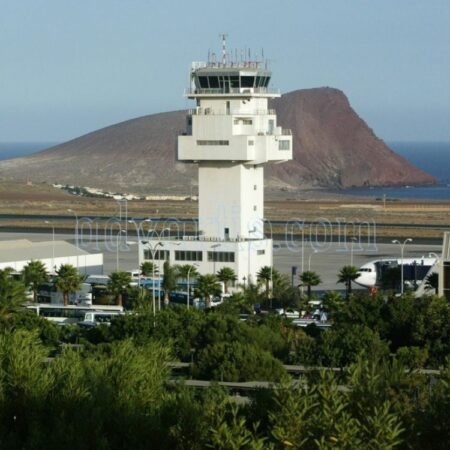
211, 142
284, 144
254, 208
251, 142
242, 121
255, 187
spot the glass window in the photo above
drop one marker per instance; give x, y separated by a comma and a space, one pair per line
284, 144
213, 82
211, 142
188, 255
221, 256
161, 255
203, 82
247, 81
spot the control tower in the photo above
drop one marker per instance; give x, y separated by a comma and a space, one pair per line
231, 134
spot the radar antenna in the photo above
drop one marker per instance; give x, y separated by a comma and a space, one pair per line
224, 36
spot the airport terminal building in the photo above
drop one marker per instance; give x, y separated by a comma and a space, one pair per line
18, 253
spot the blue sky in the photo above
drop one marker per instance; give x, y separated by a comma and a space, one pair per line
69, 67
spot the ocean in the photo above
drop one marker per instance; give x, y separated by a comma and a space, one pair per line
10, 150
432, 157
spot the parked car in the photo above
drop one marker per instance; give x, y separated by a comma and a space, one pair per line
290, 313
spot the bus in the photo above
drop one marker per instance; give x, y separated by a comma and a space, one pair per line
94, 318
71, 314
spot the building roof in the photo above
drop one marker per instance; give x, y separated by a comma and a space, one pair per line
25, 250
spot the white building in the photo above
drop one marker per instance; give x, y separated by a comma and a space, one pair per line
231, 134
18, 253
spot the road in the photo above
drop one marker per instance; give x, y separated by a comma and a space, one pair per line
326, 260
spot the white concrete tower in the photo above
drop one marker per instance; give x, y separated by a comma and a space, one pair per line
231, 135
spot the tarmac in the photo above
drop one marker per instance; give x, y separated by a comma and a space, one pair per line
325, 258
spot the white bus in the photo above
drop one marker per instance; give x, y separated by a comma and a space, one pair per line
63, 315
94, 318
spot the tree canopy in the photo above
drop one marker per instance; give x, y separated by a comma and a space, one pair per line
309, 279
34, 274
68, 280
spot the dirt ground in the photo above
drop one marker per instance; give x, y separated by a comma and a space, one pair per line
416, 217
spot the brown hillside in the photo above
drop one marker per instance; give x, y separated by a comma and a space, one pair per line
333, 147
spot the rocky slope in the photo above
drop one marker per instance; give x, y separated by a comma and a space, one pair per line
333, 147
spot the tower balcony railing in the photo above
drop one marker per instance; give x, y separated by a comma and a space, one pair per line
227, 112
231, 91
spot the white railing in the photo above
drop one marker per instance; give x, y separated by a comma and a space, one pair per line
214, 112
232, 91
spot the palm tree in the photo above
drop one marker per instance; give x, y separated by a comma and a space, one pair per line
226, 274
347, 275
118, 283
149, 268
309, 279
169, 281
265, 275
183, 270
432, 282
12, 293
34, 274
207, 286
68, 280
252, 294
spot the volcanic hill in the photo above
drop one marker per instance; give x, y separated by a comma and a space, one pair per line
333, 147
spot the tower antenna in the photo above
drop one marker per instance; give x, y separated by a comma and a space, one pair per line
224, 36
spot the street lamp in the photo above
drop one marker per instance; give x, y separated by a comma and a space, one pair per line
76, 226
153, 253
214, 256
402, 249
353, 239
188, 285
76, 235
309, 259
117, 248
53, 243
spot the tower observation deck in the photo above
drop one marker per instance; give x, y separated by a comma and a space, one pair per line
231, 134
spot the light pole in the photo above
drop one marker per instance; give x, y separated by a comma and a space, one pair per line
214, 256
271, 284
353, 239
53, 243
402, 249
76, 236
188, 285
153, 253
309, 259
76, 226
117, 248
303, 254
